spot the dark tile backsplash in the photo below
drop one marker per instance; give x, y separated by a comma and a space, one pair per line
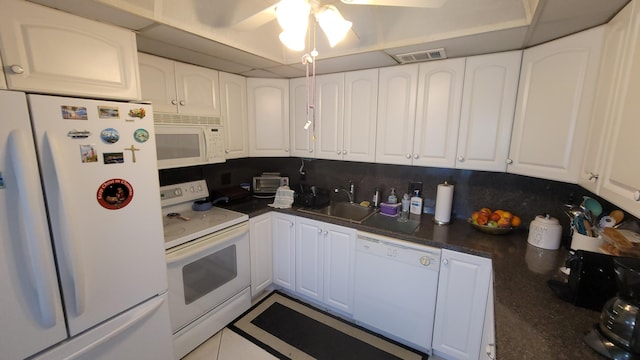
522, 195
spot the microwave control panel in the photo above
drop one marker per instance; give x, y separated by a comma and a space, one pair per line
215, 139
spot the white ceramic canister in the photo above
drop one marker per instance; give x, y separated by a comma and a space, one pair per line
545, 232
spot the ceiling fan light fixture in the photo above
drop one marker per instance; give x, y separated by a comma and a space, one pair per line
293, 15
293, 39
333, 24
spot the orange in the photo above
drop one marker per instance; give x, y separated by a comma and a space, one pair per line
515, 221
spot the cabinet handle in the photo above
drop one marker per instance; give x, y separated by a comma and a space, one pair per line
286, 150
310, 150
226, 151
408, 156
593, 176
319, 231
182, 102
461, 158
17, 69
174, 102
325, 233
338, 152
344, 152
509, 161
416, 156
290, 223
445, 261
636, 195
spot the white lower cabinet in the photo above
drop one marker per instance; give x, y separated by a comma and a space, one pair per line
284, 247
463, 290
325, 257
261, 249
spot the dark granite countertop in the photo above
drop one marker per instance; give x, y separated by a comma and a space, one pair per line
531, 322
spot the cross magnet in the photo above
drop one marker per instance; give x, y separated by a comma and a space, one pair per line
133, 150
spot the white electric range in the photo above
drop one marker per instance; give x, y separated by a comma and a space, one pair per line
179, 199
208, 264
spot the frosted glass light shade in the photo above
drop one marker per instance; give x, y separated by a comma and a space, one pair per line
294, 40
333, 24
293, 14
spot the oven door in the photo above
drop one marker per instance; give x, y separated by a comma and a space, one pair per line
205, 272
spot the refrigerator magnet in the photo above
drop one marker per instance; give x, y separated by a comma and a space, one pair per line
88, 153
108, 112
114, 194
110, 135
74, 112
113, 158
138, 113
141, 135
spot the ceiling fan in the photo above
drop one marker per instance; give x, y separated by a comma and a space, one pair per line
269, 14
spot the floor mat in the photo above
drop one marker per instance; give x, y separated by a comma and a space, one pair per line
290, 329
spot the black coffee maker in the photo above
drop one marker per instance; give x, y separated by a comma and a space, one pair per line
617, 334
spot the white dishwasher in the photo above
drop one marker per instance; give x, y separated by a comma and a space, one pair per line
395, 289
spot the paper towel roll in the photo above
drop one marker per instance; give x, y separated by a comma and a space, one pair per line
444, 200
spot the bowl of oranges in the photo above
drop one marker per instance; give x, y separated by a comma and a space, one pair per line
496, 222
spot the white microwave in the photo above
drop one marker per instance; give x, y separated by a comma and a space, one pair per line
179, 145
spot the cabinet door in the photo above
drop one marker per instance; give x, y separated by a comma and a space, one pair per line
309, 240
438, 112
396, 114
158, 82
233, 110
604, 103
261, 248
284, 248
50, 51
360, 115
621, 181
463, 287
557, 84
488, 105
268, 117
339, 267
198, 90
302, 136
329, 116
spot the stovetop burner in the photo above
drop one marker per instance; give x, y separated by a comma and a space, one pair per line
178, 199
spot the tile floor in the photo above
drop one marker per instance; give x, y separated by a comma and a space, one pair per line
227, 345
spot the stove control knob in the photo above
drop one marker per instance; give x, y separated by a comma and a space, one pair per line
177, 192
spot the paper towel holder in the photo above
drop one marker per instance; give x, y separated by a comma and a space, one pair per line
448, 207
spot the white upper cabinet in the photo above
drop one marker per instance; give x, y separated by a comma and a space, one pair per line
418, 113
302, 143
488, 104
233, 110
556, 90
329, 116
438, 112
268, 110
360, 114
50, 51
621, 178
397, 91
604, 103
345, 116
175, 87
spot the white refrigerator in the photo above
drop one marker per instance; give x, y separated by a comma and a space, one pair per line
82, 266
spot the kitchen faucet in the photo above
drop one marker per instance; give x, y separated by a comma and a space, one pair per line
350, 193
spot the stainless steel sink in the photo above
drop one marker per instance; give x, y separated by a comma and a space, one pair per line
343, 211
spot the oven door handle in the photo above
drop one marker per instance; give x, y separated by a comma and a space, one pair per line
191, 250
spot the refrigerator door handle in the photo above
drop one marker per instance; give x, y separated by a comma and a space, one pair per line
33, 222
70, 247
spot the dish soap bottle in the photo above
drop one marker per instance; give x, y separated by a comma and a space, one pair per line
416, 204
393, 199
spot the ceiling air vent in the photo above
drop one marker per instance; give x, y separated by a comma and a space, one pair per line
425, 55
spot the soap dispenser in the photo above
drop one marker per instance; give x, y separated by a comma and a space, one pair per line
415, 207
393, 199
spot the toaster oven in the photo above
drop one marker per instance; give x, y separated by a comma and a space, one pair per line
268, 184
